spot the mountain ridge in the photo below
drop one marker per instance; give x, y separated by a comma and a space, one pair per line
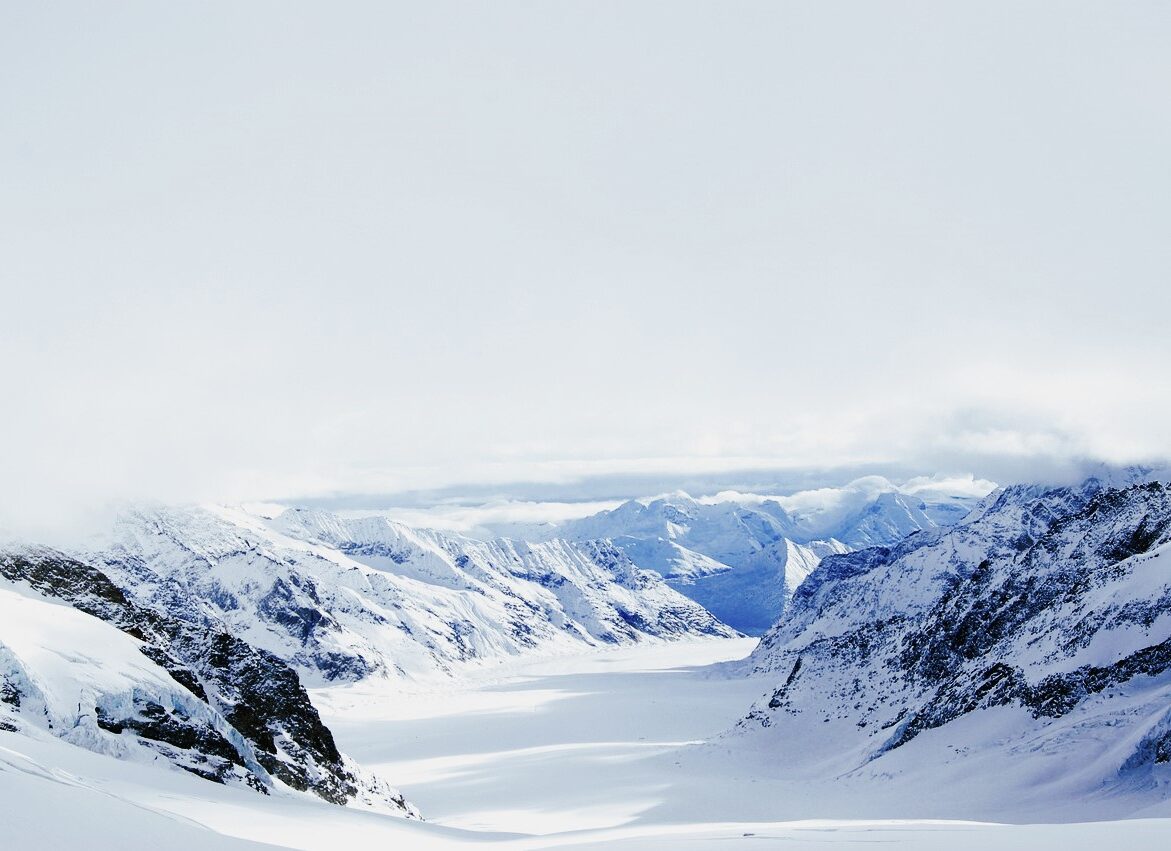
1046, 614
346, 598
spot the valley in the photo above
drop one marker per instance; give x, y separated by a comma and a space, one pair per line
598, 750
305, 678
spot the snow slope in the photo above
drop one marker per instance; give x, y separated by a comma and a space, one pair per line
76, 677
38, 792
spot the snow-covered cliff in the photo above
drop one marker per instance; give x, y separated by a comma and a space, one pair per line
81, 661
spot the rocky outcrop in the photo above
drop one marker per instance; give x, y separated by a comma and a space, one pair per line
262, 724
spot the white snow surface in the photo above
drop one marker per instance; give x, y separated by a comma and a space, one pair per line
598, 750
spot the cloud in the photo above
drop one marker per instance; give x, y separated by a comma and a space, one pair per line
327, 264
930, 486
492, 518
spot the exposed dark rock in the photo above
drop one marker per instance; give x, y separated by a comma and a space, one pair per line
259, 694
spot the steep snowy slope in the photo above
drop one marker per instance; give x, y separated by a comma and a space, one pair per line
1028, 650
81, 662
75, 676
341, 599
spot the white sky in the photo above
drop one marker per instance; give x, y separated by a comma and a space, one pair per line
257, 250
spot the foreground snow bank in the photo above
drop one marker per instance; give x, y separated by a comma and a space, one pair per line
593, 751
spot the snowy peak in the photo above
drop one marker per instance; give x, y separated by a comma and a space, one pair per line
891, 517
680, 517
741, 556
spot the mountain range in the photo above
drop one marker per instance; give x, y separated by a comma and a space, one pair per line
190, 634
1012, 661
742, 557
1017, 664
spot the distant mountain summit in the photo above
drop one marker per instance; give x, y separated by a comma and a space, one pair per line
742, 559
891, 517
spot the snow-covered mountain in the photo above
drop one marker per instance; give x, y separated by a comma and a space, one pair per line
341, 599
82, 662
739, 562
1022, 657
742, 558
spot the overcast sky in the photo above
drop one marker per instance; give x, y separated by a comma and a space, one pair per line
262, 250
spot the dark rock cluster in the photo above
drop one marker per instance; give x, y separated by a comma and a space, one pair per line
260, 695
